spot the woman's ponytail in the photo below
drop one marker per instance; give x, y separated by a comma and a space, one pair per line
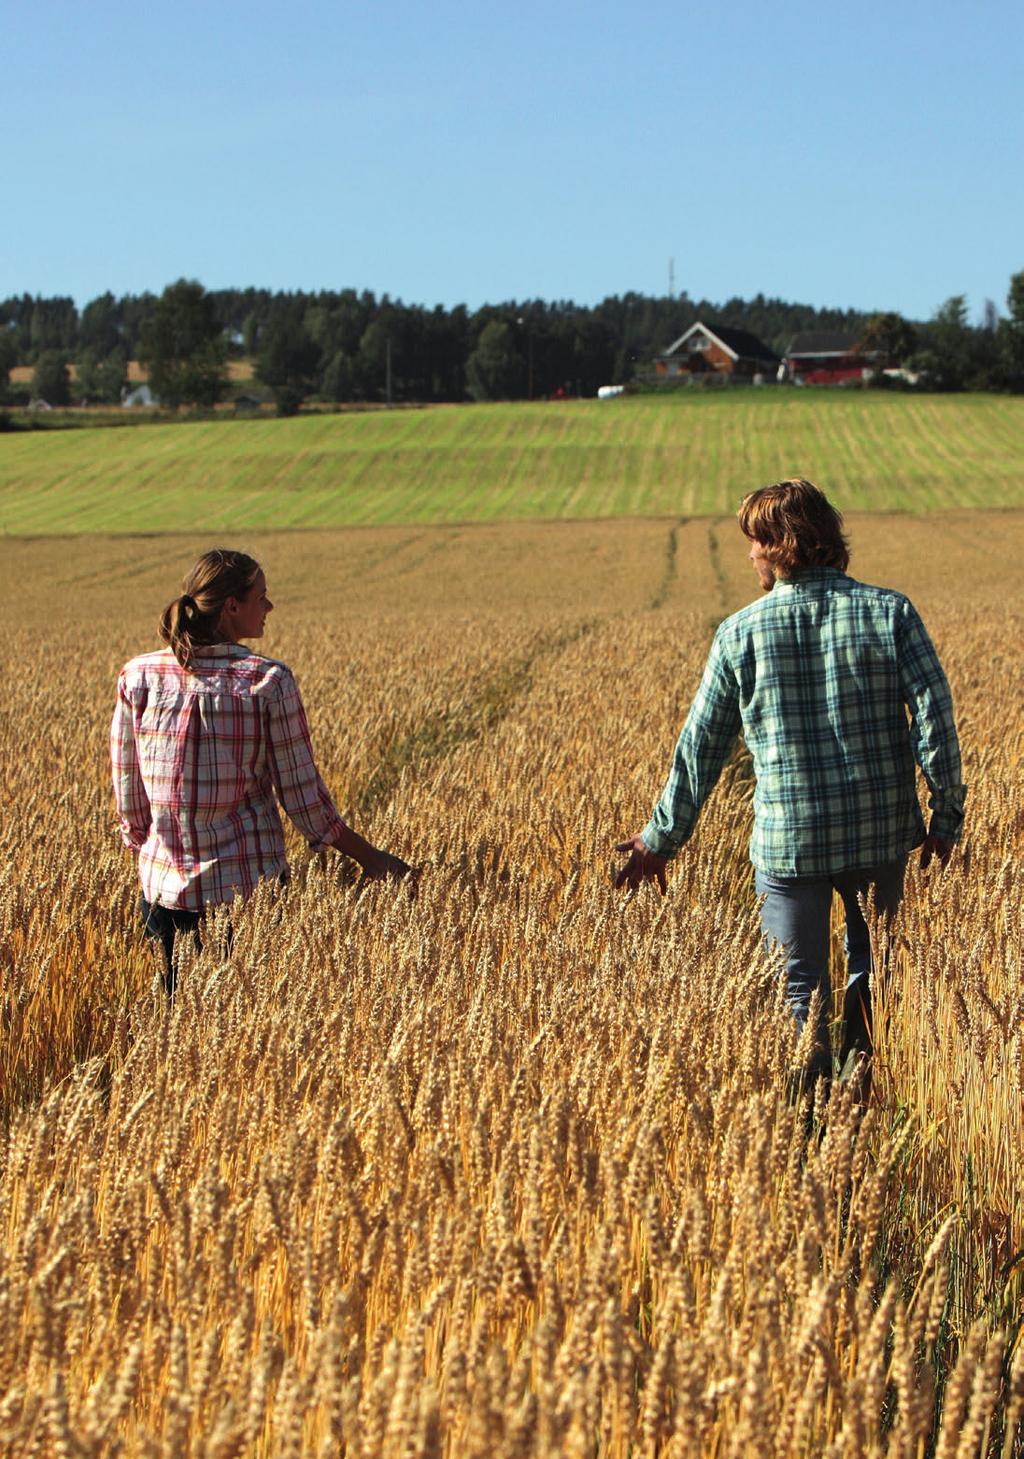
178, 627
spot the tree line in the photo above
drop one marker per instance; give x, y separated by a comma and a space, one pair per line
345, 345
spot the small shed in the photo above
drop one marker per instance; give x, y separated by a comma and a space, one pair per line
247, 405
716, 349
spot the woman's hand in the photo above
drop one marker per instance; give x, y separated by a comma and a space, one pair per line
379, 865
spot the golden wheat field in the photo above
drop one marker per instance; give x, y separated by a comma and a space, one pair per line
509, 1169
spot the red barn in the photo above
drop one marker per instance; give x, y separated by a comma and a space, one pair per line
824, 357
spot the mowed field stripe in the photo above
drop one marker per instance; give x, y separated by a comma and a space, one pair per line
694, 452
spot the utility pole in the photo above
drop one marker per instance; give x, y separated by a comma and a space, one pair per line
387, 358
671, 278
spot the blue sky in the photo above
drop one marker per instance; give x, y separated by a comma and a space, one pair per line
867, 155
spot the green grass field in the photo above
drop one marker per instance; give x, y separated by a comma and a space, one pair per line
688, 454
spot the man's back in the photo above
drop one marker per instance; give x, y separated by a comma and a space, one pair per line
824, 668
819, 675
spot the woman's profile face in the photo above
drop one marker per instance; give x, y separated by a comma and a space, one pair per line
245, 617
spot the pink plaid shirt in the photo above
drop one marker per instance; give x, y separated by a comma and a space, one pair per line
197, 757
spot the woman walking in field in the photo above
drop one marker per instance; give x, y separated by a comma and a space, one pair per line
207, 736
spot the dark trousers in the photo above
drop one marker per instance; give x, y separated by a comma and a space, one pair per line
162, 925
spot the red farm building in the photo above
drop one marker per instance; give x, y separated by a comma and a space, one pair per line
824, 357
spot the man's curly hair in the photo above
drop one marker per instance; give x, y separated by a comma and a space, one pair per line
796, 526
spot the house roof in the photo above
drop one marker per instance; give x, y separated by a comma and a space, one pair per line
739, 343
822, 342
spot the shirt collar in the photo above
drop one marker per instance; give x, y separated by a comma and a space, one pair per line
221, 650
807, 577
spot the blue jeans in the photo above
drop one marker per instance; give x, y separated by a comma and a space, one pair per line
795, 915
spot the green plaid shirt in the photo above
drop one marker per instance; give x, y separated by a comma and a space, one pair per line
819, 674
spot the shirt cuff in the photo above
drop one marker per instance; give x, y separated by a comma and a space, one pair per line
656, 842
948, 825
326, 837
947, 808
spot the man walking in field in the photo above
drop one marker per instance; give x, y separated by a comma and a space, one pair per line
819, 674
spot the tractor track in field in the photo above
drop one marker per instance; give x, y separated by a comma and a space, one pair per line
670, 569
718, 572
491, 701
430, 543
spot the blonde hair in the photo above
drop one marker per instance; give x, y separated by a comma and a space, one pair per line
192, 620
796, 525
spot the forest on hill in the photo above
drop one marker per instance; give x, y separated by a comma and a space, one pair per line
346, 345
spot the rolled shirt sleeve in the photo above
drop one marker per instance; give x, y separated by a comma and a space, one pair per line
133, 809
296, 779
703, 747
933, 735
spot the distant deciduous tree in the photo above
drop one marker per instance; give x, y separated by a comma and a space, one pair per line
947, 346
183, 347
102, 380
890, 337
288, 362
494, 371
51, 380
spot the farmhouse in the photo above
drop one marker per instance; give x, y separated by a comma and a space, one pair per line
824, 357
708, 350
